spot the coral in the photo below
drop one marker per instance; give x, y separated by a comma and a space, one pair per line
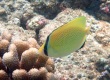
2, 66
106, 73
20, 74
49, 65
3, 75
28, 58
11, 61
102, 35
105, 6
33, 43
41, 74
41, 61
36, 23
25, 17
50, 76
2, 11
103, 12
20, 60
21, 46
48, 8
6, 35
33, 74
43, 71
16, 31
3, 46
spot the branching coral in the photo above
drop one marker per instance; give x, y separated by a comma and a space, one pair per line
2, 65
33, 43
3, 75
6, 36
33, 74
11, 61
20, 60
28, 58
20, 74
3, 46
21, 46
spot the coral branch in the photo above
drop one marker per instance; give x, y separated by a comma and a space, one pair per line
41, 61
28, 58
50, 65
11, 61
33, 43
43, 71
20, 74
2, 66
6, 35
34, 74
3, 46
3, 75
50, 76
21, 47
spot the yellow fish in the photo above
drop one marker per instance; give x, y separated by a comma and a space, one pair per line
66, 39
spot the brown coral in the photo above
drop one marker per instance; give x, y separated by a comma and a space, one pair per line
6, 35
3, 75
20, 60
3, 46
43, 71
33, 74
33, 43
50, 65
21, 46
2, 65
50, 76
11, 61
20, 74
28, 58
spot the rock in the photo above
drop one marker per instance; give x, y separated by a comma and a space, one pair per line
17, 32
36, 23
2, 11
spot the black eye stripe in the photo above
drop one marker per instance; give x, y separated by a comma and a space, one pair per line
46, 46
47, 40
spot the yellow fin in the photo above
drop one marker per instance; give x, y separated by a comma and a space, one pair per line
41, 48
79, 22
87, 30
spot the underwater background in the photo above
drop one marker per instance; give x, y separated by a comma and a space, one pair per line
25, 25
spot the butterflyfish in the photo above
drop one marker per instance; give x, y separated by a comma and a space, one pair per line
66, 39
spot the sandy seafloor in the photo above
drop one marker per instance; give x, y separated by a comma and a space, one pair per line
85, 64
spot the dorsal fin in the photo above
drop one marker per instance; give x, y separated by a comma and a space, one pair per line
79, 22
